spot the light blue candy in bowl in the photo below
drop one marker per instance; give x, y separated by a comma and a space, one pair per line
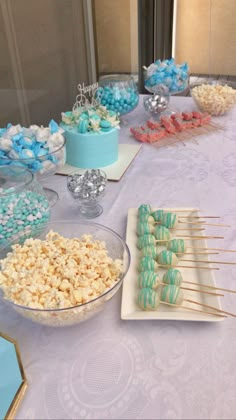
39, 149
119, 93
23, 204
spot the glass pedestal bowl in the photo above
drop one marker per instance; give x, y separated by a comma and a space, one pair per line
119, 93
42, 167
88, 188
72, 314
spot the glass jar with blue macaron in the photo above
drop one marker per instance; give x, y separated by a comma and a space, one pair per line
23, 204
119, 93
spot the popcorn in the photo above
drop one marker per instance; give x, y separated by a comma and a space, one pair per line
215, 99
57, 272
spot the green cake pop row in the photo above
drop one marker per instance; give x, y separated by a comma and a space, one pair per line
150, 300
154, 281
170, 219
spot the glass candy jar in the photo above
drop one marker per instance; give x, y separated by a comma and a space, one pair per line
23, 204
119, 93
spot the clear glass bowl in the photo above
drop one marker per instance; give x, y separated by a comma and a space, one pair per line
89, 194
119, 93
42, 167
155, 88
23, 204
212, 97
117, 249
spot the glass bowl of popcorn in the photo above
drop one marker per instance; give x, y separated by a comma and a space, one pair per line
214, 97
63, 273
39, 149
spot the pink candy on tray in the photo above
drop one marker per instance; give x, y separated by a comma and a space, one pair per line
154, 131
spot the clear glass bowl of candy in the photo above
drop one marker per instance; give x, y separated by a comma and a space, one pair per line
118, 93
88, 187
39, 149
174, 77
82, 286
23, 204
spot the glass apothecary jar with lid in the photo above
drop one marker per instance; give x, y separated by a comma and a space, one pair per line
23, 204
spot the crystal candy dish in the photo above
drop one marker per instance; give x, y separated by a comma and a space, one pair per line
117, 249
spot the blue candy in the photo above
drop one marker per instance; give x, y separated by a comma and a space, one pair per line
54, 127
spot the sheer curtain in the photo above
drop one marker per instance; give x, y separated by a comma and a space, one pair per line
46, 48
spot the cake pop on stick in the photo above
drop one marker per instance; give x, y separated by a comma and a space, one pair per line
149, 300
146, 228
179, 247
212, 262
149, 239
174, 276
153, 281
170, 220
170, 259
149, 264
172, 294
152, 251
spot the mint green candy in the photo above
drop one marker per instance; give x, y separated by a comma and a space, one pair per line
177, 246
148, 279
162, 234
173, 276
146, 264
167, 258
148, 299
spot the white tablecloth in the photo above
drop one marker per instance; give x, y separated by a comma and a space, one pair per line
107, 368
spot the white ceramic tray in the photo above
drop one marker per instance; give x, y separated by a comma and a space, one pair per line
129, 307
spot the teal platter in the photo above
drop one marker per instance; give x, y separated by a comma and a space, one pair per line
12, 379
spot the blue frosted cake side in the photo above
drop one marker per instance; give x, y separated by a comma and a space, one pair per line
91, 150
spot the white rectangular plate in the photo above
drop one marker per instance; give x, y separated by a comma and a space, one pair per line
130, 309
114, 172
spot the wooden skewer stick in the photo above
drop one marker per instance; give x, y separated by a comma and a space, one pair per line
193, 309
199, 217
199, 237
199, 291
186, 229
213, 249
203, 223
195, 253
211, 262
191, 266
210, 307
209, 287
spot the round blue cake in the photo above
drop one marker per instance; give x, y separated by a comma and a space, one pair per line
91, 137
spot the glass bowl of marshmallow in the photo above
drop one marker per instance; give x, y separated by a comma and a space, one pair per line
39, 149
69, 272
166, 75
214, 97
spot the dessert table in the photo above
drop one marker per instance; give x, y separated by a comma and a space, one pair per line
106, 368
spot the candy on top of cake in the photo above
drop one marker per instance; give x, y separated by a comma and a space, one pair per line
88, 115
167, 73
96, 119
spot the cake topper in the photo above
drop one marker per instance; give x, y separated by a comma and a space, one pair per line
88, 97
